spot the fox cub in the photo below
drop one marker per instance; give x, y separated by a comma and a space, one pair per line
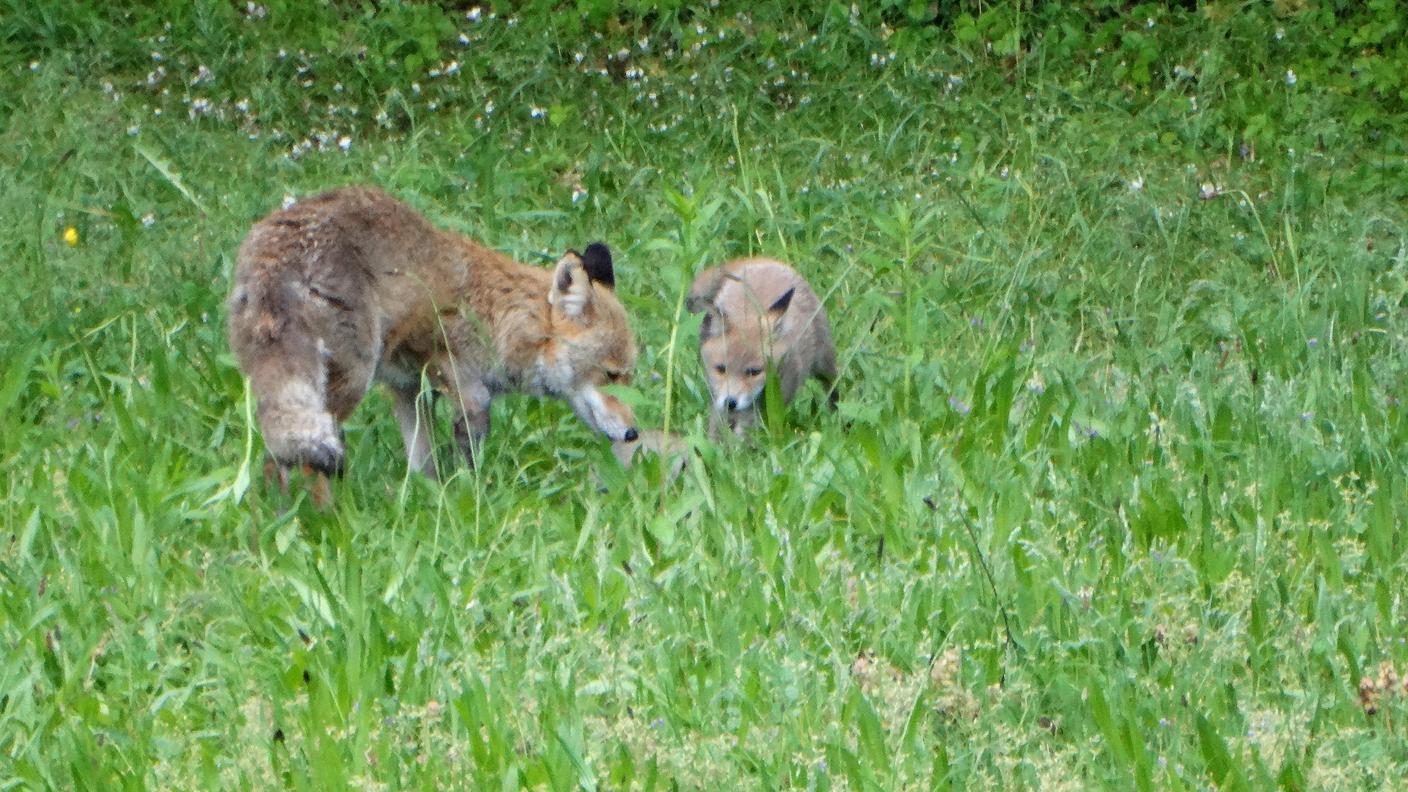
756, 310
353, 286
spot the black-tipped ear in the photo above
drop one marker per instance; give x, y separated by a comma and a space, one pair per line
779, 307
597, 260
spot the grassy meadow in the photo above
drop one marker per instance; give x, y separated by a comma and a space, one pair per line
1113, 497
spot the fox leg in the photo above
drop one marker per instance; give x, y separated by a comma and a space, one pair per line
273, 471
472, 420
319, 488
825, 370
469, 401
413, 414
833, 388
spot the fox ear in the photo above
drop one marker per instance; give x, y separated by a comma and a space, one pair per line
713, 324
571, 290
779, 306
597, 261
704, 289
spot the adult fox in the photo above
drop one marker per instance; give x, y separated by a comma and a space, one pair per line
353, 286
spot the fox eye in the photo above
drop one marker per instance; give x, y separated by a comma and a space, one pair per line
753, 371
721, 368
615, 375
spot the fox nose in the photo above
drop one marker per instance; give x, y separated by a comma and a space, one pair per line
631, 435
731, 404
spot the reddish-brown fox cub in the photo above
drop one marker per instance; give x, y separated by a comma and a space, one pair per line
756, 310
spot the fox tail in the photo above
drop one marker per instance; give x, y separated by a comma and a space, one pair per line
287, 368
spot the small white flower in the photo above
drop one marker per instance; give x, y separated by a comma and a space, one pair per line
578, 194
133, 130
1208, 191
536, 112
200, 105
156, 56
242, 105
337, 87
1290, 77
1149, 22
289, 200
1280, 33
453, 67
464, 40
415, 88
344, 143
148, 220
1137, 184
203, 75
473, 14
489, 107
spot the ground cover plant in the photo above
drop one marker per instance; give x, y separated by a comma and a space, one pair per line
1112, 498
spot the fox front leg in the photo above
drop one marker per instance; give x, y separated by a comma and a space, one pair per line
471, 427
470, 403
413, 415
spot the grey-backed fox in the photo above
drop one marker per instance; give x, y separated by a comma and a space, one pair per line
353, 286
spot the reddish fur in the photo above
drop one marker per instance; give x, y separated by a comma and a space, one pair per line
353, 286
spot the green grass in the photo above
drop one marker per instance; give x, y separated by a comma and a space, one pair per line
1113, 498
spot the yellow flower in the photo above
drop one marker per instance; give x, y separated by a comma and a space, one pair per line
71, 236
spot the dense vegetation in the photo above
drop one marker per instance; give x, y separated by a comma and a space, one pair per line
1113, 497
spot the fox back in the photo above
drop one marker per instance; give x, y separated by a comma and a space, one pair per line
756, 311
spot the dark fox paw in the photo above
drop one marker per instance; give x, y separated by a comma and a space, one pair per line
325, 458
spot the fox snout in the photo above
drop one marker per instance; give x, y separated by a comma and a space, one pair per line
731, 401
606, 414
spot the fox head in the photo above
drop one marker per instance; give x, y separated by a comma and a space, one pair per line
589, 342
736, 351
